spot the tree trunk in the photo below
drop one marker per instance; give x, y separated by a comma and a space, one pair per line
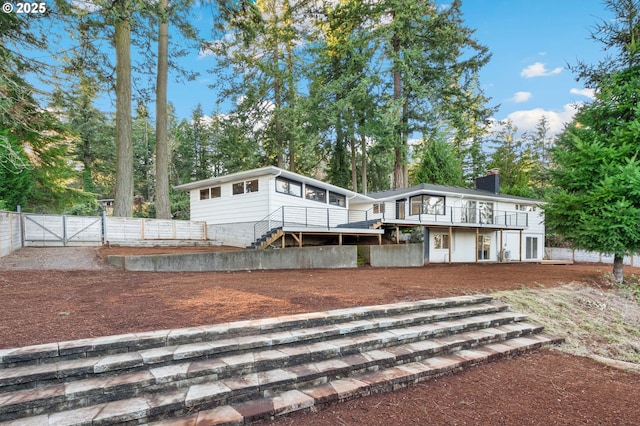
363, 163
123, 203
618, 265
354, 160
278, 125
399, 152
163, 205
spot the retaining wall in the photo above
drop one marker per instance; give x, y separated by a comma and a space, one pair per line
287, 258
395, 255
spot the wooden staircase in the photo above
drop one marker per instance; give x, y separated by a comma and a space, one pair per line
266, 240
239, 372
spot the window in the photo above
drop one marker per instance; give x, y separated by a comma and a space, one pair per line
290, 187
238, 188
207, 193
378, 208
400, 208
441, 241
486, 212
314, 193
525, 207
242, 187
337, 199
251, 185
468, 213
426, 204
484, 247
531, 248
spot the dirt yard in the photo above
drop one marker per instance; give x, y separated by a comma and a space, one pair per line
49, 295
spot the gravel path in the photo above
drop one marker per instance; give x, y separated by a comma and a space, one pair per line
55, 258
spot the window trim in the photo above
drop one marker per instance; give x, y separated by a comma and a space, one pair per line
339, 196
444, 241
315, 188
529, 246
424, 206
289, 182
245, 186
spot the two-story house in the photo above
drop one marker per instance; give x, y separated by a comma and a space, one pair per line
272, 206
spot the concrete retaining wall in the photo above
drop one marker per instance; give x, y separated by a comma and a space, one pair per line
235, 235
396, 255
287, 258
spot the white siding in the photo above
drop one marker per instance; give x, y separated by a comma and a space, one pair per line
229, 208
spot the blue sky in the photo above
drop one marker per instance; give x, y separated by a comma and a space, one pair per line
531, 41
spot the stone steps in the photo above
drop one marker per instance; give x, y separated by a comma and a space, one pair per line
258, 369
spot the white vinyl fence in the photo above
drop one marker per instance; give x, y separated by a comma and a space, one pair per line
557, 253
10, 232
39, 230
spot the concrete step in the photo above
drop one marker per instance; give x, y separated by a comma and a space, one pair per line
346, 336
125, 343
278, 375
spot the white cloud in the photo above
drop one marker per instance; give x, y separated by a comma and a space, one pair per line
520, 97
539, 70
589, 93
527, 120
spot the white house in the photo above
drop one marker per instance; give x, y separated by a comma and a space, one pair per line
269, 206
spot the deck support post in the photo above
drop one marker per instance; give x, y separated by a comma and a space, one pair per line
477, 236
501, 254
298, 238
521, 245
397, 235
450, 242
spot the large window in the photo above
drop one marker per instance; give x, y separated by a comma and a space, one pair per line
486, 212
314, 193
245, 187
290, 187
469, 213
426, 204
531, 250
337, 199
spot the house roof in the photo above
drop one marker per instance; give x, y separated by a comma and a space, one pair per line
269, 170
424, 188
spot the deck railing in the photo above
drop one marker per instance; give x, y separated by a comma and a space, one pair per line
309, 217
315, 217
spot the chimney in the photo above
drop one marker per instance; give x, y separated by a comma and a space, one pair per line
490, 182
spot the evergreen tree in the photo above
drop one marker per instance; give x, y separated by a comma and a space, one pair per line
513, 161
596, 203
259, 67
438, 164
433, 64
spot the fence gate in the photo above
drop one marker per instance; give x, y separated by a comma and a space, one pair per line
41, 230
